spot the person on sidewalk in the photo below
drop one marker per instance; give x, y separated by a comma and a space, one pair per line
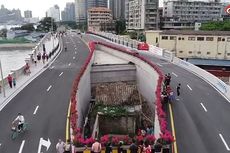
14, 82
133, 147
10, 80
96, 147
178, 89
60, 146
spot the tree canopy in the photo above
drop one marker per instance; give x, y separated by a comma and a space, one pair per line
216, 25
28, 27
120, 27
46, 24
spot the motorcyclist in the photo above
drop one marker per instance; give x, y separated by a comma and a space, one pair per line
21, 120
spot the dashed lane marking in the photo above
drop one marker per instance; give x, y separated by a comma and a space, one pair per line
73, 57
48, 88
36, 109
159, 64
175, 74
60, 74
203, 107
226, 145
75, 52
189, 87
69, 64
21, 147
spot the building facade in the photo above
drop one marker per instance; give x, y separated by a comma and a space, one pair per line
28, 14
192, 44
68, 14
183, 14
81, 11
97, 3
97, 16
118, 9
142, 14
54, 12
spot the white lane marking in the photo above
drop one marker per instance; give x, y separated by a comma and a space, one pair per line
189, 87
49, 88
222, 138
69, 64
60, 74
177, 99
21, 147
159, 64
52, 67
36, 109
203, 107
175, 74
75, 52
73, 57
0, 144
75, 48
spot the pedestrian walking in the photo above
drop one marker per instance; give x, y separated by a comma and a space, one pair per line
67, 146
14, 82
157, 147
60, 146
133, 147
10, 80
178, 89
108, 148
96, 147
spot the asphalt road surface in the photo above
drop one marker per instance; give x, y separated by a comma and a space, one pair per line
201, 114
44, 102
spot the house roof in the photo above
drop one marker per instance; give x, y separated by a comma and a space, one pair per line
210, 62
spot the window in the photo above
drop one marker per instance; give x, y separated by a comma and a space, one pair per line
191, 38
219, 53
208, 53
156, 39
190, 52
180, 51
172, 37
228, 39
223, 39
200, 38
209, 38
228, 54
164, 37
219, 39
182, 38
179, 38
199, 52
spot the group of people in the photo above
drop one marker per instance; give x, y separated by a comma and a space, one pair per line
62, 147
44, 56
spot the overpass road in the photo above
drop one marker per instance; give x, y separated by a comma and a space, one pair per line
44, 102
201, 114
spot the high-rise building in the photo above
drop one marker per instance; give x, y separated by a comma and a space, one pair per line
28, 14
69, 12
54, 12
118, 8
80, 11
183, 14
97, 16
97, 3
141, 14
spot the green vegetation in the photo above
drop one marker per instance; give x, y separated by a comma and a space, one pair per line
216, 25
46, 25
14, 41
29, 27
120, 27
111, 111
3, 33
71, 24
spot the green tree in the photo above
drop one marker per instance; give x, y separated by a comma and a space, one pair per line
29, 27
46, 25
3, 33
120, 27
216, 25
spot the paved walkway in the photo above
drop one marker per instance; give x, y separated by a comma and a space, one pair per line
24, 80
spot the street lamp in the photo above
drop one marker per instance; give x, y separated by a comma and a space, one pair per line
3, 88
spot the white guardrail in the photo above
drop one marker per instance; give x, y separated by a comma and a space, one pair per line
215, 82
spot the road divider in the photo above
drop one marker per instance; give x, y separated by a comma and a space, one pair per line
225, 144
36, 109
173, 129
48, 89
21, 147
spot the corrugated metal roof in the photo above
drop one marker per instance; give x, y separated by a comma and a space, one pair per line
210, 62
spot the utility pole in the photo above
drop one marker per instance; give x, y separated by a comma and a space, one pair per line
3, 84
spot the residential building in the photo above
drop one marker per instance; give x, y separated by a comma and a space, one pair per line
183, 14
118, 9
142, 14
192, 44
54, 12
97, 16
10, 16
81, 11
28, 14
68, 14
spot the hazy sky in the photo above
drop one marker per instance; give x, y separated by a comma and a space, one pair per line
38, 7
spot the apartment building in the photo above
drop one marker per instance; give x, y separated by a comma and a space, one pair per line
192, 44
98, 16
183, 14
141, 14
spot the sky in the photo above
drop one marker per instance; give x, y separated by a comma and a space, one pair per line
38, 7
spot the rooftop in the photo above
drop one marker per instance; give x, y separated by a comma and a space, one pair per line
99, 9
191, 32
209, 62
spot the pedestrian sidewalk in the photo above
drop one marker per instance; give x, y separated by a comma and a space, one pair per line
24, 80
